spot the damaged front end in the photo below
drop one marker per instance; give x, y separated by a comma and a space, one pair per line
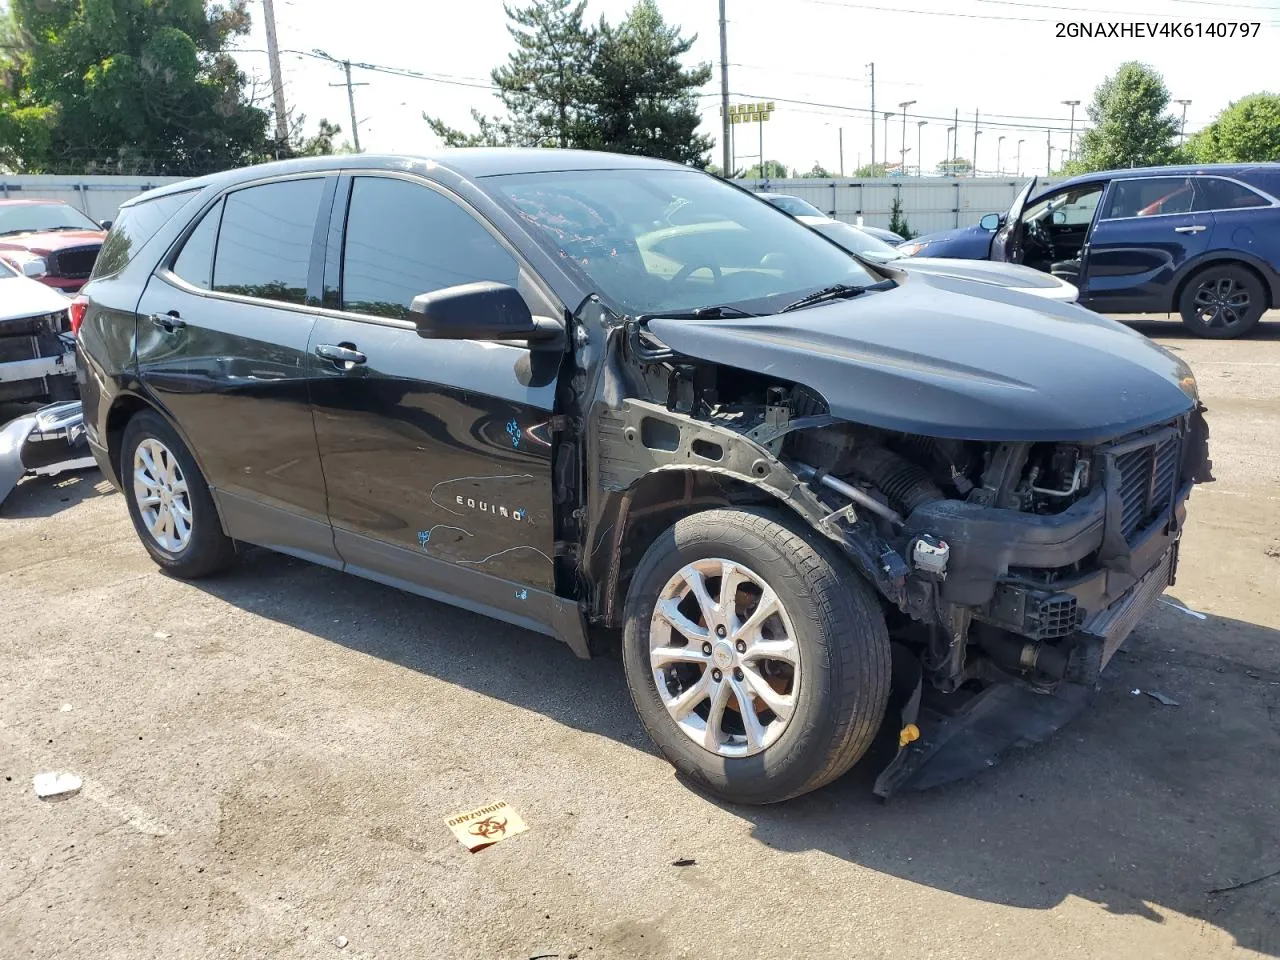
1009, 572
45, 443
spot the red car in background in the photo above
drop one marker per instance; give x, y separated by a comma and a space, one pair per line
50, 241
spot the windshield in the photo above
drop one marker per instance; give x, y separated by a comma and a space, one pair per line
34, 217
855, 241
667, 241
793, 205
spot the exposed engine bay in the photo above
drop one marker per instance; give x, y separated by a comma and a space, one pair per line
1007, 570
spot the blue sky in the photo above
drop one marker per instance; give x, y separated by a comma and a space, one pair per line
999, 56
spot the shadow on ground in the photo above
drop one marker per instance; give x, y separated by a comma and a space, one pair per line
1159, 328
1141, 807
36, 496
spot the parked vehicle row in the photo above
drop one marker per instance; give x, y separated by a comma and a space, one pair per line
1202, 242
817, 495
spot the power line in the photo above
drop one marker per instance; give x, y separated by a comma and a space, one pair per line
1132, 13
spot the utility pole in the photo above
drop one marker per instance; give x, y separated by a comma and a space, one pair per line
724, 95
999, 144
920, 125
873, 117
888, 114
1071, 137
841, 129
1018, 160
277, 81
1182, 136
351, 102
946, 157
903, 162
976, 131
1048, 164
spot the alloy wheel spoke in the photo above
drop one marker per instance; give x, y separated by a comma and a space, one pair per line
715, 715
785, 650
751, 724
782, 704
669, 611
662, 656
680, 707
698, 587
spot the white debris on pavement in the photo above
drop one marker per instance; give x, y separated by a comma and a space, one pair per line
1187, 610
56, 786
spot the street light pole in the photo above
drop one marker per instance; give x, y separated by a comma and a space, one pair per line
1182, 135
873, 117
920, 125
887, 115
999, 144
725, 132
841, 151
903, 162
1071, 142
1048, 146
976, 131
1018, 162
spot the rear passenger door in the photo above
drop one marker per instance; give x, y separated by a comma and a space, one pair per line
436, 453
1147, 230
224, 329
1243, 218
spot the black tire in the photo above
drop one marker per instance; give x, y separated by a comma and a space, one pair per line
207, 550
844, 670
1222, 302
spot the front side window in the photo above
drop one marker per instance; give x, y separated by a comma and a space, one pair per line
1214, 193
404, 239
654, 241
264, 243
1073, 208
1153, 197
135, 225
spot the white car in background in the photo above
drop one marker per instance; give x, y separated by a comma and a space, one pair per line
1012, 276
37, 348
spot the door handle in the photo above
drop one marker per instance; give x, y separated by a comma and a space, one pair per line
168, 322
344, 357
1197, 228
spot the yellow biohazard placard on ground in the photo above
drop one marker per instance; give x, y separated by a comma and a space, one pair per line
477, 829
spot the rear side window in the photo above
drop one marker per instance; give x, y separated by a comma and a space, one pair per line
1213, 193
195, 263
134, 226
1154, 197
404, 239
264, 243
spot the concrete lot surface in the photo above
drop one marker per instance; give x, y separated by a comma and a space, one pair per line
269, 759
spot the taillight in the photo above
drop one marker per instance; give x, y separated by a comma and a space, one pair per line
78, 307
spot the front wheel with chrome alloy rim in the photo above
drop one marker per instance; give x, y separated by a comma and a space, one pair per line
1222, 302
757, 660
169, 501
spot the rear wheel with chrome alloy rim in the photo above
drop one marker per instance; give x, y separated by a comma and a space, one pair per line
169, 501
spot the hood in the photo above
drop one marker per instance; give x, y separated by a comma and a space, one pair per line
965, 243
1012, 275
22, 297
50, 241
949, 358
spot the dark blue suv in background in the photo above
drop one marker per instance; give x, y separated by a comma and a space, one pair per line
1200, 241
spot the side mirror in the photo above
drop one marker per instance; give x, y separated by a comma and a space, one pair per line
479, 311
990, 222
105, 224
35, 268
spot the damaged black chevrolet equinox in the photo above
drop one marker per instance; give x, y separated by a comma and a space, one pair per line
580, 392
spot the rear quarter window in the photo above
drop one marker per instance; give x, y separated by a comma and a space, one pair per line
134, 226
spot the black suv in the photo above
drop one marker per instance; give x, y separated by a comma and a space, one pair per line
582, 391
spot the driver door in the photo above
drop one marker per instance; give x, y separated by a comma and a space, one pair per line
1007, 243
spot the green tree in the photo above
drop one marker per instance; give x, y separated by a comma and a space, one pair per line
128, 86
641, 99
773, 170
818, 172
320, 144
869, 170
898, 221
1248, 131
543, 85
1131, 127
